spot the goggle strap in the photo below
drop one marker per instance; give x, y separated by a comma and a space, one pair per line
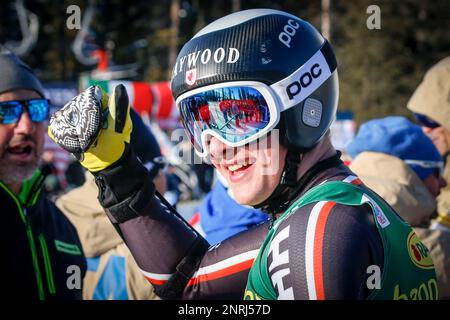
426, 164
328, 53
308, 78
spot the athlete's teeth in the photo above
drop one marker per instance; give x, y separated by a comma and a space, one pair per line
234, 168
238, 166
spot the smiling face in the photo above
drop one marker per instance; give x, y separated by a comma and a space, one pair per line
21, 144
252, 172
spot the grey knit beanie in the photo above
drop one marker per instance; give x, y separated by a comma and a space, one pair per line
15, 74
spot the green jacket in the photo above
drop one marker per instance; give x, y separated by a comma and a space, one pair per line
408, 270
43, 258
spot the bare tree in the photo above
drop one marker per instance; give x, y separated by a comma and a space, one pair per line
235, 5
174, 26
325, 24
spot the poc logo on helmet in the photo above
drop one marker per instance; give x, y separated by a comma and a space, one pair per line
304, 81
289, 31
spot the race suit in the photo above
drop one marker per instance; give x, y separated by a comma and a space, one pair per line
345, 246
406, 273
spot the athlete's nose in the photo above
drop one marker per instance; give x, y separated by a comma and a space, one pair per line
216, 149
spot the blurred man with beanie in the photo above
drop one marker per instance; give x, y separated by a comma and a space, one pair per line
393, 157
40, 245
430, 104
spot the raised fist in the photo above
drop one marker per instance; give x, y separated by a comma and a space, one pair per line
94, 127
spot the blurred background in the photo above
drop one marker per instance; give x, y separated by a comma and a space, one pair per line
71, 44
378, 68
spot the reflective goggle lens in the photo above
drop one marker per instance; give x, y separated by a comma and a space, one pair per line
11, 111
234, 113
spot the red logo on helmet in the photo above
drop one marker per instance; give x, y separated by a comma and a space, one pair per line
191, 76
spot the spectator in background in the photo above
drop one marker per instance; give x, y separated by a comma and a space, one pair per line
112, 272
220, 216
39, 244
173, 192
205, 175
52, 185
431, 106
74, 175
59, 159
393, 157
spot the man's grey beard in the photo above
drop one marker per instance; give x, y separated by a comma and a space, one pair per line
11, 172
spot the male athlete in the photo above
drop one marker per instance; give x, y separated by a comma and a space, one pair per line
330, 237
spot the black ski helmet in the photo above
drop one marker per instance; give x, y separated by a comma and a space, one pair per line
272, 47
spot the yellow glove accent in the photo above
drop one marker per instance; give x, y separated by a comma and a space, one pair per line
110, 144
94, 127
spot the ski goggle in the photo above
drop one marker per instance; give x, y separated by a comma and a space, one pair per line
436, 166
11, 111
239, 112
426, 121
234, 113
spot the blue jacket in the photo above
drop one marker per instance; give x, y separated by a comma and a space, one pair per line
222, 217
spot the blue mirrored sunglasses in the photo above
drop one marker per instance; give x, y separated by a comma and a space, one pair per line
11, 111
426, 121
